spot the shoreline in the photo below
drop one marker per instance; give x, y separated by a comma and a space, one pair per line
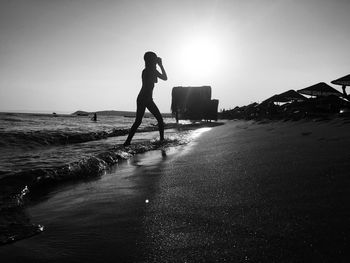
17, 189
244, 191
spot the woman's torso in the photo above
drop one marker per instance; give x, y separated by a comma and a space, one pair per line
149, 77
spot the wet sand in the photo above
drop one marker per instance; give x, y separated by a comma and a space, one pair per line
244, 191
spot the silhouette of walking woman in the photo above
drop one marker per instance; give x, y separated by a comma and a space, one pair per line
150, 76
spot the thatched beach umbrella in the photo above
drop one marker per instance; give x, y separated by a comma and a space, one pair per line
268, 100
320, 89
290, 95
343, 81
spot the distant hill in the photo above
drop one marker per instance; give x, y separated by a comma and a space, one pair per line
81, 113
115, 113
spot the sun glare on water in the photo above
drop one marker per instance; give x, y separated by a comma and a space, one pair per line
200, 57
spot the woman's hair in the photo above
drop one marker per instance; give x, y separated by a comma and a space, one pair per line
150, 59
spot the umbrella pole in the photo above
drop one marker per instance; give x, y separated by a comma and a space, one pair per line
344, 91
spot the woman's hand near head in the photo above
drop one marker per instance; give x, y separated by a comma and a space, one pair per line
159, 61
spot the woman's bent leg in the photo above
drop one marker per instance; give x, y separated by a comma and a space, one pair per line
139, 115
152, 107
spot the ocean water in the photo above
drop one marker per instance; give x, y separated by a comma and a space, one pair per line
36, 141
39, 151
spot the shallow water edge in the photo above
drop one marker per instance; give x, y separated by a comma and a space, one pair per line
16, 190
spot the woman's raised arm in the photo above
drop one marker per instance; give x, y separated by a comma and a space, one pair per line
162, 75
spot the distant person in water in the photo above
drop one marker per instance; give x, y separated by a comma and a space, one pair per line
94, 118
150, 76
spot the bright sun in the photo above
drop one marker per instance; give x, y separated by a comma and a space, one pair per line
200, 57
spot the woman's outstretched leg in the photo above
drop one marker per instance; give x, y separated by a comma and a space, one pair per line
139, 115
152, 107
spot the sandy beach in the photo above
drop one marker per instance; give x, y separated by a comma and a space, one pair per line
245, 191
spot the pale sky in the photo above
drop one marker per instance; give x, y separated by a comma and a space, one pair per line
65, 55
